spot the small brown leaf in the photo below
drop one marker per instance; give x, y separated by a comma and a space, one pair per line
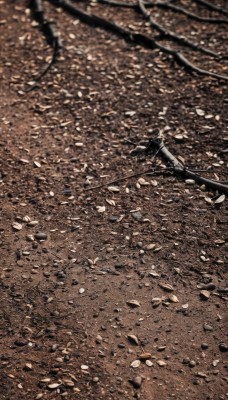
133, 303
133, 339
54, 385
166, 286
220, 199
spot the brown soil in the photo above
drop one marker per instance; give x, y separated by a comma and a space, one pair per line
72, 132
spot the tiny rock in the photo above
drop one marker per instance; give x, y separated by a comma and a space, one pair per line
161, 363
192, 364
84, 367
223, 347
41, 236
145, 356
207, 327
135, 364
137, 216
21, 342
136, 381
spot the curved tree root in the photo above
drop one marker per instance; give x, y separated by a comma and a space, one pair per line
211, 6
165, 34
167, 5
180, 169
136, 38
49, 32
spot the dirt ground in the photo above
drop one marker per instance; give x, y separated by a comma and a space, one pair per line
125, 296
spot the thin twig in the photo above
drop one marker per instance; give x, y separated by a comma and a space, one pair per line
123, 178
149, 171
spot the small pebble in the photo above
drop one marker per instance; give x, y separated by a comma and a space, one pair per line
149, 363
135, 364
41, 236
207, 327
161, 363
192, 364
137, 216
136, 381
84, 367
223, 347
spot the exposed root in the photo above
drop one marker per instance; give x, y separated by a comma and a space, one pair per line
211, 6
181, 170
166, 5
49, 32
165, 34
136, 38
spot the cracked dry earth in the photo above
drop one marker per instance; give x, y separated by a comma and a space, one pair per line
118, 292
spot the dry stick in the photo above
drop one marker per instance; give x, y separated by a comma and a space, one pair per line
49, 32
117, 180
211, 6
186, 173
136, 38
167, 6
149, 171
169, 35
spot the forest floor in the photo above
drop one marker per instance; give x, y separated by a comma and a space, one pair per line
125, 296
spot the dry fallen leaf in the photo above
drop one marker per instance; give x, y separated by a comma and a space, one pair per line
100, 209
113, 189
166, 286
133, 339
133, 303
16, 226
150, 246
200, 112
54, 385
173, 299
220, 199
